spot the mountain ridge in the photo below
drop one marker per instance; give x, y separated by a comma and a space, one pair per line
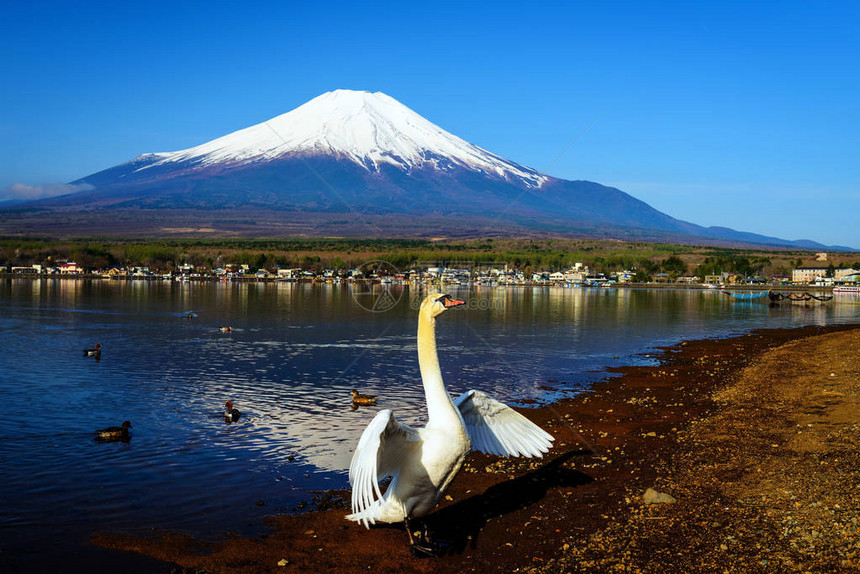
360, 156
366, 128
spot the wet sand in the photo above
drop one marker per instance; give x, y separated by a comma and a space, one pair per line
755, 438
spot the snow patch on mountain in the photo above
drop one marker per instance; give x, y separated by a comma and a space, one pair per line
367, 128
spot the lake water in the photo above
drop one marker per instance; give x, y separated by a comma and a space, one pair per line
295, 352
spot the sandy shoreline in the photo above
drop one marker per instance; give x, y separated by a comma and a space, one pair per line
756, 437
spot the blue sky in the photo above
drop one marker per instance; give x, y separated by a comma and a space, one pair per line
739, 114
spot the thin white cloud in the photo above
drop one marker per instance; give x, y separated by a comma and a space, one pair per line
24, 192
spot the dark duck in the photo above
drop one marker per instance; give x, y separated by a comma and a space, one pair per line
231, 415
96, 351
114, 433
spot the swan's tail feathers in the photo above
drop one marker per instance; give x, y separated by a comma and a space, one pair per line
496, 428
381, 510
365, 517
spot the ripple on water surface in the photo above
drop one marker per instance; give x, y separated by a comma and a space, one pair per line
289, 364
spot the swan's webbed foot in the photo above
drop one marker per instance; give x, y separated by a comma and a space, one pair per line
425, 550
419, 541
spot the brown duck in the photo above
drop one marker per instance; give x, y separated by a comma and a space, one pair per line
359, 399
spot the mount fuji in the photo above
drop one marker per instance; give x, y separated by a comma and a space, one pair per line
348, 163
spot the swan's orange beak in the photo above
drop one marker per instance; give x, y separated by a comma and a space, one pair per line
452, 303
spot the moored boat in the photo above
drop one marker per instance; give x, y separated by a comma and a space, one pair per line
747, 295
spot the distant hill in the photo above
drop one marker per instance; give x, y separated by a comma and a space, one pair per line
353, 164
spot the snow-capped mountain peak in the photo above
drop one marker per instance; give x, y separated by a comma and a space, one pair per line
367, 128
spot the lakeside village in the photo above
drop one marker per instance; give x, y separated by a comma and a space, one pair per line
822, 277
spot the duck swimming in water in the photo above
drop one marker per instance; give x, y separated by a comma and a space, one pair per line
231, 415
226, 329
422, 462
94, 352
114, 433
359, 399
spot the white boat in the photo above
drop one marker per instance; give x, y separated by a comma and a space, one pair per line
854, 289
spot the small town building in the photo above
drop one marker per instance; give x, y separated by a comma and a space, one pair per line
289, 273
70, 268
687, 280
31, 270
819, 274
625, 276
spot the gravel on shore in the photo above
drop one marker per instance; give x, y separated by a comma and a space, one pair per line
768, 482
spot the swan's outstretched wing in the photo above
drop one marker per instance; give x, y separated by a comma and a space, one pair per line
383, 446
496, 428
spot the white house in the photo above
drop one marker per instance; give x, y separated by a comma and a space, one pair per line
813, 274
291, 273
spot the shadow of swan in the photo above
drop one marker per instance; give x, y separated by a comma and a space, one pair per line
459, 524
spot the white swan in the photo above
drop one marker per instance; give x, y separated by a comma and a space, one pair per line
422, 462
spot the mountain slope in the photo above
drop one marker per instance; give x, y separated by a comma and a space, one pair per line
367, 129
349, 163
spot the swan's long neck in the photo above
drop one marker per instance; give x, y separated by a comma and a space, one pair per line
440, 407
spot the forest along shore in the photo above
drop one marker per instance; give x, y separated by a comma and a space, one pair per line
738, 454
